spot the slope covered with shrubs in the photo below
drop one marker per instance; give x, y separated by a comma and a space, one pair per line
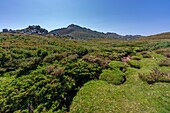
44, 74
146, 89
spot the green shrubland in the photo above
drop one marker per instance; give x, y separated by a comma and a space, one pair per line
56, 74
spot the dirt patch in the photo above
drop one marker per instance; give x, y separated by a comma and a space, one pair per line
125, 59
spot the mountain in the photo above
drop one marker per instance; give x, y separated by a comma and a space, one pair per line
72, 31
77, 32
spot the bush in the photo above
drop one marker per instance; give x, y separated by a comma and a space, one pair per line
94, 59
50, 69
167, 55
42, 53
82, 71
81, 51
165, 62
39, 92
58, 72
130, 51
146, 55
3, 58
113, 76
2, 70
136, 58
134, 64
158, 45
118, 65
155, 76
29, 64
53, 57
54, 70
73, 57
165, 52
26, 67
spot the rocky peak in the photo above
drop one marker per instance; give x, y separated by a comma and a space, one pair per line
33, 29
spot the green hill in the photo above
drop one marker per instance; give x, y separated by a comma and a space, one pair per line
78, 32
54, 74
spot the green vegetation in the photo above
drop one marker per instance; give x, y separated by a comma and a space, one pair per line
112, 76
115, 74
54, 74
101, 97
155, 76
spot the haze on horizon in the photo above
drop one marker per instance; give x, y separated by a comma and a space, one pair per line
143, 17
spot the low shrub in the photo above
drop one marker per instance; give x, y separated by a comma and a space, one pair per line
118, 65
155, 76
82, 71
130, 51
146, 55
158, 45
58, 72
93, 59
136, 58
165, 52
42, 53
26, 67
29, 64
73, 57
167, 55
53, 57
116, 76
165, 62
41, 93
50, 69
134, 64
2, 70
54, 70
81, 51
116, 56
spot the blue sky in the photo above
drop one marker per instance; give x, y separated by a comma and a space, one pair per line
143, 17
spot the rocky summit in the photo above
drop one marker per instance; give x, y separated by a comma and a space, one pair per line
34, 29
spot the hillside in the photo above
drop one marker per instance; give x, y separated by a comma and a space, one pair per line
72, 31
77, 32
158, 37
53, 74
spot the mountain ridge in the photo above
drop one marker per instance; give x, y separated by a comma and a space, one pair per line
78, 32
72, 31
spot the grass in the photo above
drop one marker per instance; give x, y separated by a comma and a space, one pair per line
135, 95
101, 97
112, 76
